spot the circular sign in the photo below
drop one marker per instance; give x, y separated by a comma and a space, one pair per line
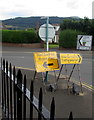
42, 32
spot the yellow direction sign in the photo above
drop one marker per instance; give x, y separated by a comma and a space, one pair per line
46, 61
70, 58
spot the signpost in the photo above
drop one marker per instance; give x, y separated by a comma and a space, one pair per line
84, 42
46, 33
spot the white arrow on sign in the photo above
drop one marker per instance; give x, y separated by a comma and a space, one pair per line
84, 42
85, 39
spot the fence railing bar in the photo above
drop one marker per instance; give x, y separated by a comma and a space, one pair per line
71, 116
40, 104
10, 69
2, 83
31, 99
19, 96
14, 88
7, 87
24, 99
4, 86
52, 111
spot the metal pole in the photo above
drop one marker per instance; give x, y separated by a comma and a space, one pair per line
47, 45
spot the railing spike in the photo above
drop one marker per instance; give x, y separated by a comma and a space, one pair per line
71, 116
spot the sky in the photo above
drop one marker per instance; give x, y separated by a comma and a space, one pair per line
61, 8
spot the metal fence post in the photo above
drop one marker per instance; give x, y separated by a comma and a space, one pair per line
15, 95
19, 95
2, 82
4, 85
7, 89
11, 112
40, 104
71, 116
24, 99
52, 110
31, 100
2, 72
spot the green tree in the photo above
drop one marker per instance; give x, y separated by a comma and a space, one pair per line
68, 38
81, 25
84, 25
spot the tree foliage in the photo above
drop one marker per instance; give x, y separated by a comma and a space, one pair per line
68, 38
84, 25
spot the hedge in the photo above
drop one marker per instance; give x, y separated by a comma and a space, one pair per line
68, 38
19, 36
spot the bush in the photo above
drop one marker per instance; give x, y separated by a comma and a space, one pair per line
19, 36
68, 38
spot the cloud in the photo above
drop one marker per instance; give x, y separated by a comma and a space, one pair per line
72, 4
14, 8
93, 9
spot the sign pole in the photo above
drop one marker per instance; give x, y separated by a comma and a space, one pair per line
47, 45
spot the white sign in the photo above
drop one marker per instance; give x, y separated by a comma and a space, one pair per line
42, 32
84, 42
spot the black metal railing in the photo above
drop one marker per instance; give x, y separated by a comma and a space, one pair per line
15, 96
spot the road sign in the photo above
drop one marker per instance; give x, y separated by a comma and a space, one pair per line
70, 58
42, 32
84, 42
46, 61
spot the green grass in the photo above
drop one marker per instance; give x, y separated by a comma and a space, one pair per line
52, 45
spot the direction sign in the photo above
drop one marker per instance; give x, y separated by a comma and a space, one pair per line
46, 61
84, 42
70, 58
42, 32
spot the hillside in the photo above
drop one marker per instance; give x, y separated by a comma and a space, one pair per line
33, 22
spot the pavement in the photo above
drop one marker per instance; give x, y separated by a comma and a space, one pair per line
65, 101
